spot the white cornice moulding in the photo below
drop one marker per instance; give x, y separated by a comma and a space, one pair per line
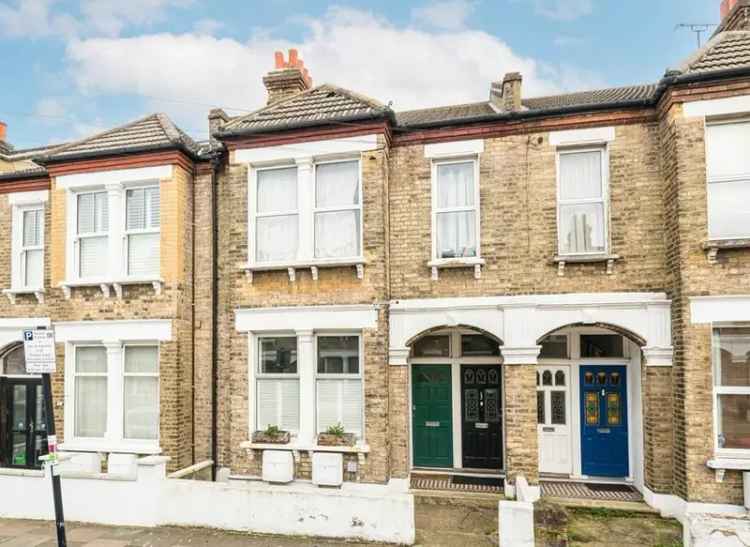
719, 309
454, 148
309, 149
28, 198
24, 322
117, 176
302, 318
159, 330
576, 137
718, 107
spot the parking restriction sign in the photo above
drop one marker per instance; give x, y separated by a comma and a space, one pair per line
39, 349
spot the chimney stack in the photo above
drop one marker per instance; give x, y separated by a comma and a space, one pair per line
288, 78
506, 95
216, 120
726, 7
735, 15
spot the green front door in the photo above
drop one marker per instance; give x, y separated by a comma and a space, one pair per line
432, 422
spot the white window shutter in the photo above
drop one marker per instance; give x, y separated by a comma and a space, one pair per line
351, 405
340, 402
278, 404
93, 257
289, 402
144, 258
725, 150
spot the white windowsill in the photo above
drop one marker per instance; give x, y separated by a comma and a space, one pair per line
713, 246
106, 285
356, 449
110, 447
459, 262
312, 265
12, 293
591, 258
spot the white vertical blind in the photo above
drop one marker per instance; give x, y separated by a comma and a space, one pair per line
277, 215
340, 402
337, 210
278, 403
93, 239
141, 393
728, 170
456, 210
90, 392
143, 220
582, 222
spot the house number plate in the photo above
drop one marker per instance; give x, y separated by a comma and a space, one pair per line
548, 429
432, 424
481, 425
603, 430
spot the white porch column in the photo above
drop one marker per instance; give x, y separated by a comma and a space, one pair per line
114, 389
115, 204
306, 364
305, 194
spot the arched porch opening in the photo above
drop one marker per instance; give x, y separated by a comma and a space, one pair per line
456, 400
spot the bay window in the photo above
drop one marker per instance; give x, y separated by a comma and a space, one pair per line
277, 383
337, 210
277, 215
728, 179
142, 231
731, 363
455, 209
582, 202
141, 392
92, 234
339, 383
91, 374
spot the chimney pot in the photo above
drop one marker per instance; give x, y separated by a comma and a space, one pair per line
279, 58
3, 131
288, 78
293, 58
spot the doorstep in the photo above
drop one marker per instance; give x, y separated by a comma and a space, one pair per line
421, 483
590, 490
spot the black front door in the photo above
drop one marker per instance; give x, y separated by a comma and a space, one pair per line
481, 417
23, 428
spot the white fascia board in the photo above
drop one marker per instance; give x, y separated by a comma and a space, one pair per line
578, 137
719, 309
306, 318
24, 322
28, 198
454, 148
718, 107
116, 176
159, 330
308, 149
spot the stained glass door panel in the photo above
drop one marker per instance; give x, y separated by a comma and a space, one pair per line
553, 419
481, 417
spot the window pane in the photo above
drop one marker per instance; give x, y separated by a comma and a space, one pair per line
93, 213
726, 147
93, 256
477, 345
337, 184
582, 228
729, 209
278, 355
141, 400
734, 425
278, 404
144, 255
540, 419
581, 175
153, 207
277, 190
456, 235
91, 360
432, 346
14, 362
338, 355
340, 402
554, 346
32, 228
732, 354
337, 234
277, 238
601, 345
141, 360
136, 209
455, 185
91, 406
34, 269
558, 406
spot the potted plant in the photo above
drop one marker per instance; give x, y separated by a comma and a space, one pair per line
336, 436
271, 435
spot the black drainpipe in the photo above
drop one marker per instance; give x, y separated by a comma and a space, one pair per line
215, 162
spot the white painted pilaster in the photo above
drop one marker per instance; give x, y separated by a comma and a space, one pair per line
114, 389
306, 364
305, 194
116, 207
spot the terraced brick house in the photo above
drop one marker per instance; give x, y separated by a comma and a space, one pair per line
549, 290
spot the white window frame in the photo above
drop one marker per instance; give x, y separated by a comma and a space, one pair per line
147, 231
742, 177
18, 265
76, 375
77, 237
260, 376
156, 375
718, 390
604, 199
344, 376
114, 438
340, 208
306, 209
476, 208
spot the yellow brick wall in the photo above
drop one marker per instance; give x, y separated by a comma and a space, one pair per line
58, 234
173, 224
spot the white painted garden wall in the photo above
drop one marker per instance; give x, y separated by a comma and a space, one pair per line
358, 511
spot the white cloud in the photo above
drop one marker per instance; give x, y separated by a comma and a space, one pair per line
207, 26
109, 17
35, 19
564, 10
351, 48
447, 14
52, 108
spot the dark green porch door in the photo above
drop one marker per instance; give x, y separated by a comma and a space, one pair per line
432, 422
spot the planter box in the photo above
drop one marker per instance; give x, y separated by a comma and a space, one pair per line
326, 439
262, 438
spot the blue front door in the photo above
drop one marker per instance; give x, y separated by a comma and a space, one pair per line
604, 421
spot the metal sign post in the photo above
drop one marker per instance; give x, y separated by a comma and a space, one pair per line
39, 351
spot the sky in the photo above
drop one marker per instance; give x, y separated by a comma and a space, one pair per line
72, 69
